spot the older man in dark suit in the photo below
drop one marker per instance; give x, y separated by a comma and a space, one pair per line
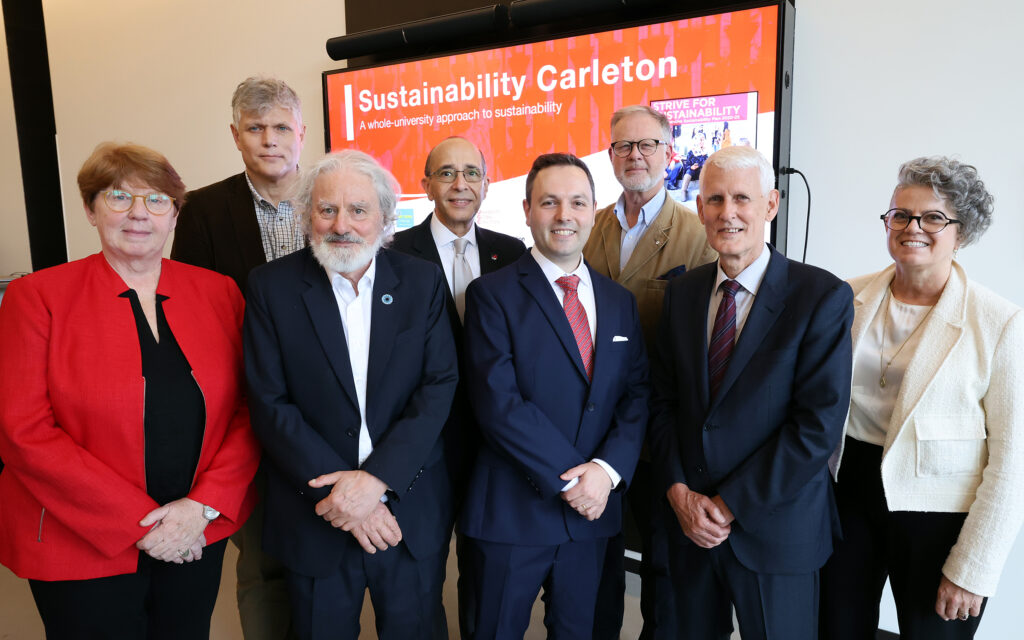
352, 370
455, 179
751, 380
231, 227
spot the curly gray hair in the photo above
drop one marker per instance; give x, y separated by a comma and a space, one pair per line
385, 184
958, 184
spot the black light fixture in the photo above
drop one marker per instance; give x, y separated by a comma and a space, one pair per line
419, 33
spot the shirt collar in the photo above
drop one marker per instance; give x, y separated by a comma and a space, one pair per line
751, 277
342, 285
553, 272
255, 194
444, 236
648, 212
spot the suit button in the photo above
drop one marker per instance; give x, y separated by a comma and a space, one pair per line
590, 406
351, 433
700, 468
708, 427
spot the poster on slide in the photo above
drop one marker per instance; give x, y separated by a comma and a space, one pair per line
713, 76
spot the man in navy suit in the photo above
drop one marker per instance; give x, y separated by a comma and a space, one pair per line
455, 179
352, 369
751, 385
558, 381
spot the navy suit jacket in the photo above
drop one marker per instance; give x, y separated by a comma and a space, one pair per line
305, 411
497, 250
763, 443
538, 412
217, 230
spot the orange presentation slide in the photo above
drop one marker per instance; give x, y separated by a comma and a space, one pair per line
711, 76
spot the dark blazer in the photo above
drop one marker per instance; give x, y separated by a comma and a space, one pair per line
305, 410
763, 443
538, 412
497, 250
217, 230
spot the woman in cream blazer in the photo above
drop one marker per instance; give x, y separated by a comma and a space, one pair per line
930, 473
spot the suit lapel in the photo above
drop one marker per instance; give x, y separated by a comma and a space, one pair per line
247, 228
768, 304
696, 336
940, 332
532, 279
323, 311
605, 326
611, 236
490, 256
652, 243
383, 328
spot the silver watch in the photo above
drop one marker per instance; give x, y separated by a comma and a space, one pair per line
210, 513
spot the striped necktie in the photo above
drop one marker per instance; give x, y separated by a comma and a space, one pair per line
723, 336
577, 317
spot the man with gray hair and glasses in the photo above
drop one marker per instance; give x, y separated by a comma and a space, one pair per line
351, 368
231, 227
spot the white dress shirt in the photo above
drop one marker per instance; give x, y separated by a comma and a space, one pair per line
444, 240
631, 237
355, 320
749, 280
585, 293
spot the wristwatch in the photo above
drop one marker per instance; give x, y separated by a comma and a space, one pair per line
210, 513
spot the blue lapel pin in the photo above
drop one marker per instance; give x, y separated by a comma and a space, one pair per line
386, 298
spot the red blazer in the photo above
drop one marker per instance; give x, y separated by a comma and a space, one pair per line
71, 408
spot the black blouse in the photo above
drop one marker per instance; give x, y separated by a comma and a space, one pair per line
175, 413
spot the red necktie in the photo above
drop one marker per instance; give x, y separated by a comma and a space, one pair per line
577, 317
723, 336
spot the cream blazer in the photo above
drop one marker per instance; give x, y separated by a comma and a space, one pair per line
955, 442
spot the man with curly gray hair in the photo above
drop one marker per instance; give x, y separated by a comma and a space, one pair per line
352, 369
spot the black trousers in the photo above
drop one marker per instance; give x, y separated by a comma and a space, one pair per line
908, 547
161, 600
404, 591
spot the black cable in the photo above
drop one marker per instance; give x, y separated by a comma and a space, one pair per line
807, 220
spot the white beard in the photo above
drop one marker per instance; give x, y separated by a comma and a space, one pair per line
345, 260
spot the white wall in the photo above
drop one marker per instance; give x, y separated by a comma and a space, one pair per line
161, 73
14, 253
878, 82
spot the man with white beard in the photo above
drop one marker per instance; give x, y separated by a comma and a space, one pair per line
358, 495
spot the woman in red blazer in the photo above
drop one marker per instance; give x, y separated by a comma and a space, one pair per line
123, 427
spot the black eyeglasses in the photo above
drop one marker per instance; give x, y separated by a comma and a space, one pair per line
471, 174
929, 221
647, 146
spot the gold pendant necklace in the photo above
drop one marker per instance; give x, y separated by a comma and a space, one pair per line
881, 351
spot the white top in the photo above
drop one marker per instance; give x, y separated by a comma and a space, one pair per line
585, 292
749, 280
871, 405
631, 237
444, 240
355, 320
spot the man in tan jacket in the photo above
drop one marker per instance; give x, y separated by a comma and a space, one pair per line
641, 241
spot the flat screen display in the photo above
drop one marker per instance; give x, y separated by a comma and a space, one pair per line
714, 77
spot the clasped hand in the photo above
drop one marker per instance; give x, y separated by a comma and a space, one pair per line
176, 533
589, 496
706, 521
354, 506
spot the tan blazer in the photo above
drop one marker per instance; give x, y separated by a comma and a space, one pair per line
955, 442
675, 238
